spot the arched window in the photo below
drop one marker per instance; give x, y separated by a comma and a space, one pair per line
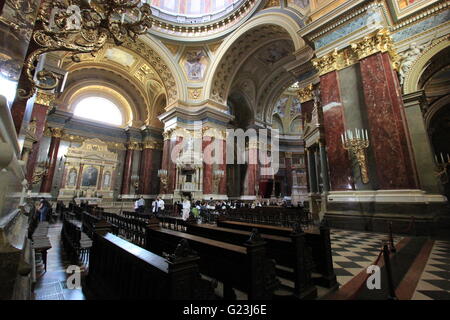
99, 109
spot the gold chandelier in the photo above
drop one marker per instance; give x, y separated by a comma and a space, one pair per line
80, 26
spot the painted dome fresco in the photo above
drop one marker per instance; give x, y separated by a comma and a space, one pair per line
193, 11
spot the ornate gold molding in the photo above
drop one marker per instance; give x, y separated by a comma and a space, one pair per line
151, 144
45, 98
306, 93
133, 145
57, 132
379, 41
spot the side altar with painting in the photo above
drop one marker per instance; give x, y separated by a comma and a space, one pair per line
89, 172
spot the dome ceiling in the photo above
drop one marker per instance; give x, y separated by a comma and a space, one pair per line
193, 11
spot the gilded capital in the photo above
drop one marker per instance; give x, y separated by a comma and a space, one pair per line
45, 98
57, 132
306, 93
133, 145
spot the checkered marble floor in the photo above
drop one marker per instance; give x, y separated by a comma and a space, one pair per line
354, 251
434, 283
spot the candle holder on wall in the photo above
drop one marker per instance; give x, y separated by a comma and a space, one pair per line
162, 174
357, 141
217, 176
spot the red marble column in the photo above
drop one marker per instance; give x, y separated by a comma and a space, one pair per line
165, 161
251, 178
40, 114
388, 133
145, 185
223, 166
288, 157
80, 174
100, 179
333, 120
126, 177
47, 181
207, 166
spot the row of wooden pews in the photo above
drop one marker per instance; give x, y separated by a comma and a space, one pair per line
278, 216
316, 238
121, 270
75, 242
244, 267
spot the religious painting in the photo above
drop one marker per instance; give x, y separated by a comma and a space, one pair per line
107, 180
90, 175
195, 64
300, 3
72, 178
404, 3
296, 107
274, 53
280, 106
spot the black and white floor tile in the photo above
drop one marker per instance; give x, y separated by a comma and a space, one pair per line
354, 251
434, 283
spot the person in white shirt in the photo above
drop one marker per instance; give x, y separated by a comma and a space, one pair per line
186, 209
140, 203
160, 205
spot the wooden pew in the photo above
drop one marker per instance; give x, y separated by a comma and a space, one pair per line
318, 239
41, 242
243, 267
287, 251
121, 270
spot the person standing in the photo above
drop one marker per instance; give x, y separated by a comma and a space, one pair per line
43, 209
141, 204
159, 205
186, 209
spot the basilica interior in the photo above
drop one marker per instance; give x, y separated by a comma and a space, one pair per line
310, 138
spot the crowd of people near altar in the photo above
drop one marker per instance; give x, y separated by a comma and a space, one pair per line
200, 208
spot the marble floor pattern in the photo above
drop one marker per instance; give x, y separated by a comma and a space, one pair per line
434, 283
51, 285
354, 251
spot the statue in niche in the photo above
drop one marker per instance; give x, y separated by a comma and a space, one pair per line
408, 58
90, 175
72, 178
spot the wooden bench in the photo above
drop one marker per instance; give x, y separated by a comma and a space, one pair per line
121, 270
41, 242
289, 251
243, 267
318, 239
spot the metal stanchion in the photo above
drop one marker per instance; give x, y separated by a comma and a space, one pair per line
391, 238
387, 263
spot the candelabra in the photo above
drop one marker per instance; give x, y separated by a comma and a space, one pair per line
39, 173
357, 142
162, 174
441, 168
135, 183
80, 26
217, 176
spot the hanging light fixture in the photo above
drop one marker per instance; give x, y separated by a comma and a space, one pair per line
80, 26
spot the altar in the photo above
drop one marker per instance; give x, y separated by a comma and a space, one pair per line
89, 172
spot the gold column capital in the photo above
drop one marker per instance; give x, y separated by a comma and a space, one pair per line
305, 94
378, 41
45, 98
57, 132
